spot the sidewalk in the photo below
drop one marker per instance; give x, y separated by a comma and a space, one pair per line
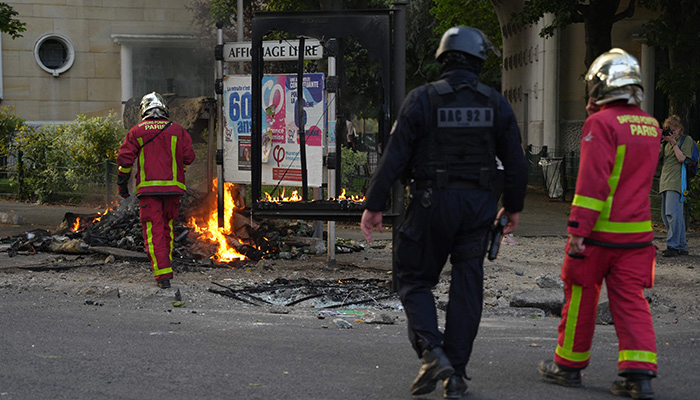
17, 218
543, 216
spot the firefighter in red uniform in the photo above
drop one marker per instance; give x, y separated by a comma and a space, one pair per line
610, 232
160, 149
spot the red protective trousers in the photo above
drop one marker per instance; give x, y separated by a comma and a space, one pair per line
157, 215
627, 271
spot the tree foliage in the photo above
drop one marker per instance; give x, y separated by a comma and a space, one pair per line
352, 164
475, 13
10, 124
675, 30
9, 24
598, 17
206, 13
58, 159
421, 42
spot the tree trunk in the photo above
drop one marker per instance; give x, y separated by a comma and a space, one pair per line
683, 59
599, 17
679, 105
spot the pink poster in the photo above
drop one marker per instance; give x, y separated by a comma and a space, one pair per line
274, 106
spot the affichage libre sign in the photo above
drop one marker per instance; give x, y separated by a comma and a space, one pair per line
274, 50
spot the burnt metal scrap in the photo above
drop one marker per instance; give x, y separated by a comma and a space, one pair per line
325, 294
336, 210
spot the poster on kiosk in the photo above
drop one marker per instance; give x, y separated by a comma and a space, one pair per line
281, 157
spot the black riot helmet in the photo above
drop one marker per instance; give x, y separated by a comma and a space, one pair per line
467, 40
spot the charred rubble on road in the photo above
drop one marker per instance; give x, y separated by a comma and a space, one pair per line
120, 228
322, 294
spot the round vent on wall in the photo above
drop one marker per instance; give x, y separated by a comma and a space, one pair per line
54, 53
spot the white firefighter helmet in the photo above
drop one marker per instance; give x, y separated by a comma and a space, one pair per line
610, 71
153, 106
467, 40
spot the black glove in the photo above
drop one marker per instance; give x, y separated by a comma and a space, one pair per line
123, 183
124, 191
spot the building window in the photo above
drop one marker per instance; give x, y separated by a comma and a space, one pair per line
54, 53
184, 71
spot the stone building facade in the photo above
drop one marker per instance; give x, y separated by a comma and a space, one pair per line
543, 77
90, 56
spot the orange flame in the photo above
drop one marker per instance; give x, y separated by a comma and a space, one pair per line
296, 197
76, 225
210, 230
102, 214
352, 197
293, 197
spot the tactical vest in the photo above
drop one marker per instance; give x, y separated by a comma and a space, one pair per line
461, 148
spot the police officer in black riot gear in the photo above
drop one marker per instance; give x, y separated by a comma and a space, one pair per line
446, 139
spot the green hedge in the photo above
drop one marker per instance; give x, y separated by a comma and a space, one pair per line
59, 163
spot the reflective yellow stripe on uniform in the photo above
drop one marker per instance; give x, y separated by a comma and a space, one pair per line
142, 161
173, 152
124, 170
588, 202
566, 350
151, 252
623, 227
174, 182
604, 224
637, 355
172, 238
149, 247
162, 271
162, 183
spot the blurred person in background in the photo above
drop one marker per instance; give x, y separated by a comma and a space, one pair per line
675, 149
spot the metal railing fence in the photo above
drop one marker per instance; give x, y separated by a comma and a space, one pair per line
21, 180
556, 172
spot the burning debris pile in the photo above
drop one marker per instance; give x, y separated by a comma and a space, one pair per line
117, 227
197, 235
324, 294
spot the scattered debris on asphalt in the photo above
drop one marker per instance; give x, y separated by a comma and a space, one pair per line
322, 294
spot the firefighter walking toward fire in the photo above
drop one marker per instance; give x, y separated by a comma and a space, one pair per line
160, 149
446, 139
610, 231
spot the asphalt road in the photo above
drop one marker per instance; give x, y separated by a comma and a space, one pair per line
55, 347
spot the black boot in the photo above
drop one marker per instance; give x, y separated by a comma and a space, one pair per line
455, 387
436, 367
636, 386
559, 374
163, 283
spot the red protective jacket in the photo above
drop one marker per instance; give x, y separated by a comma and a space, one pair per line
619, 153
160, 162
